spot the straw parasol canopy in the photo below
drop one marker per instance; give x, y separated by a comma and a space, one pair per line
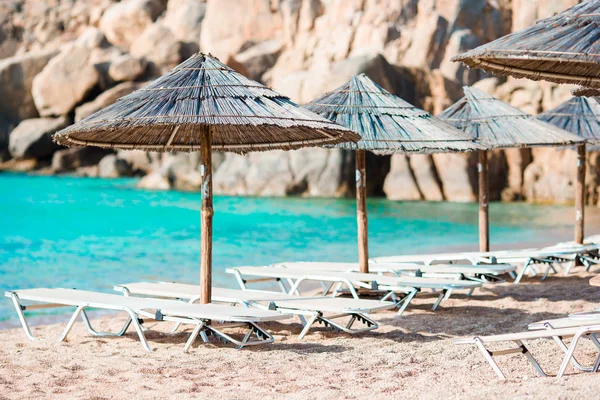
497, 125
165, 115
583, 91
581, 116
564, 48
387, 124
203, 105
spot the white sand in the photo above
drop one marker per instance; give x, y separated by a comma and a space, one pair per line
410, 356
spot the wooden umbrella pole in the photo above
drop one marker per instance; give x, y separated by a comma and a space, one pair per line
361, 211
206, 216
580, 194
484, 221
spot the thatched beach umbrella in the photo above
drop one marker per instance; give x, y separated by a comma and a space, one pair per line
203, 105
585, 92
580, 116
564, 48
387, 124
497, 125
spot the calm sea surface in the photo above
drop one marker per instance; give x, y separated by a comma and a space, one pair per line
93, 233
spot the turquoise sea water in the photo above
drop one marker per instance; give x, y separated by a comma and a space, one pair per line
93, 233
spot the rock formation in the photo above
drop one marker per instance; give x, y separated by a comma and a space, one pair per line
60, 61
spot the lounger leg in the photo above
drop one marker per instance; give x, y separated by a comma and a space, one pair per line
532, 360
489, 359
512, 275
596, 366
569, 353
313, 318
24, 324
549, 268
71, 323
439, 300
565, 349
239, 279
138, 329
91, 330
526, 266
570, 265
193, 336
263, 337
405, 301
338, 286
326, 288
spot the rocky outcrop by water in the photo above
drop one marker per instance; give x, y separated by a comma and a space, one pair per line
62, 60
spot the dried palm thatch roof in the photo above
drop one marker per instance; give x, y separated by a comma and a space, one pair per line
169, 113
387, 123
578, 115
498, 125
564, 48
585, 91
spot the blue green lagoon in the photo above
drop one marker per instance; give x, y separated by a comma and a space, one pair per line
92, 233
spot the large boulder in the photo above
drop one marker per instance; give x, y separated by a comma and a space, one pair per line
426, 177
123, 22
458, 174
141, 162
305, 86
113, 167
16, 78
314, 172
230, 24
126, 68
158, 45
260, 58
65, 81
517, 160
92, 38
400, 183
551, 177
32, 138
184, 18
106, 99
69, 160
154, 181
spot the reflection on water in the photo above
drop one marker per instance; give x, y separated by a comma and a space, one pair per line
93, 233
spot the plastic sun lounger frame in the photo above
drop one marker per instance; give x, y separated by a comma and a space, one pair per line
371, 282
576, 333
203, 327
357, 310
573, 321
484, 273
550, 257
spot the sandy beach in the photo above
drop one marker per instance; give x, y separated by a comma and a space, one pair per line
411, 356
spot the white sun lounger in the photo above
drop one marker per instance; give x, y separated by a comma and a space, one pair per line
410, 286
528, 258
477, 272
573, 321
314, 308
576, 333
428, 259
199, 315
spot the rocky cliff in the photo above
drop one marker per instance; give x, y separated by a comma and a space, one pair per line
61, 60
